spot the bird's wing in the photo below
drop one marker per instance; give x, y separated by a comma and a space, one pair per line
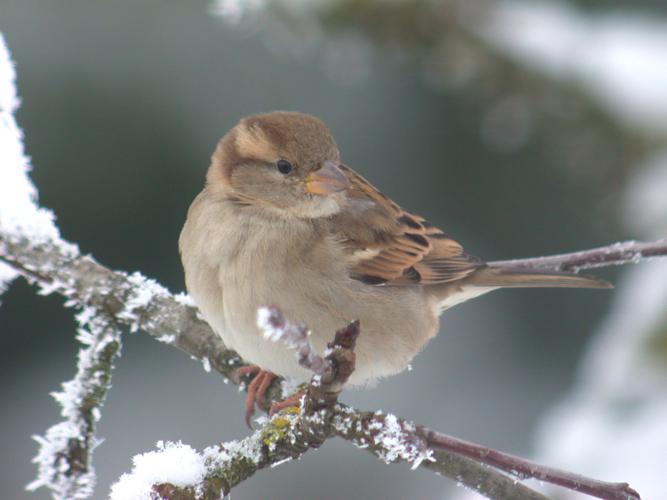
387, 245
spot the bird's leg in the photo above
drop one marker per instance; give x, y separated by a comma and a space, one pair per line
293, 400
241, 372
256, 388
257, 392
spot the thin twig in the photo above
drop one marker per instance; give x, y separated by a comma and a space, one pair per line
526, 469
276, 328
393, 439
627, 252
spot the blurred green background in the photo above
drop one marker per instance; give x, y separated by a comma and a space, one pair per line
123, 102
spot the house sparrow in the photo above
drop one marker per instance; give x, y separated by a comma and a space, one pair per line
281, 221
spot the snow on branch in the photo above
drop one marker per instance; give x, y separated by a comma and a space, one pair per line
19, 213
285, 437
137, 302
329, 372
276, 328
65, 455
291, 433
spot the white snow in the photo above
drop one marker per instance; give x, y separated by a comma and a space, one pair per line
276, 328
143, 292
174, 463
249, 448
7, 275
185, 299
620, 57
296, 336
19, 213
166, 339
182, 466
393, 440
11, 153
18, 196
397, 444
265, 324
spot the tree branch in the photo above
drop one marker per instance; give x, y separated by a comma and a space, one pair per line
392, 439
525, 469
320, 417
137, 302
617, 254
65, 457
290, 434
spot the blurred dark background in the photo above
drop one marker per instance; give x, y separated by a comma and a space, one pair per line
123, 102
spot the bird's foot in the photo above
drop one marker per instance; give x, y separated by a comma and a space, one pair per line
293, 400
256, 388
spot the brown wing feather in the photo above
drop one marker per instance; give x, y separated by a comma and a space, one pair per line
387, 244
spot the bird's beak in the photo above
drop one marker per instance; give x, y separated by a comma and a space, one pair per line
328, 179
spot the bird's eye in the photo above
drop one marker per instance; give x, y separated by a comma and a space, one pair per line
284, 167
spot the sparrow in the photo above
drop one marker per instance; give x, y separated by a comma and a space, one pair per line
281, 221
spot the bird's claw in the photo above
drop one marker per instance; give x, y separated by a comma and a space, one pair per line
256, 389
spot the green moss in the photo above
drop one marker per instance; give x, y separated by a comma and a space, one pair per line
274, 432
279, 426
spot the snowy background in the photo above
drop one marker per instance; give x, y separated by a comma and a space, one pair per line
545, 135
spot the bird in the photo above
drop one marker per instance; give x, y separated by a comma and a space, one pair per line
282, 221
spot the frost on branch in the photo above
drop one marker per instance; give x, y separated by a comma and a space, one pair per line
391, 439
65, 455
20, 216
396, 444
11, 151
19, 213
295, 335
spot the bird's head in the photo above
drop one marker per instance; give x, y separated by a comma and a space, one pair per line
283, 162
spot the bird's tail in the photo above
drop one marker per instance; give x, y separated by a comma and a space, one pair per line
503, 277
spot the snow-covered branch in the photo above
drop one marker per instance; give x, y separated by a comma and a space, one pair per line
291, 433
65, 456
329, 372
